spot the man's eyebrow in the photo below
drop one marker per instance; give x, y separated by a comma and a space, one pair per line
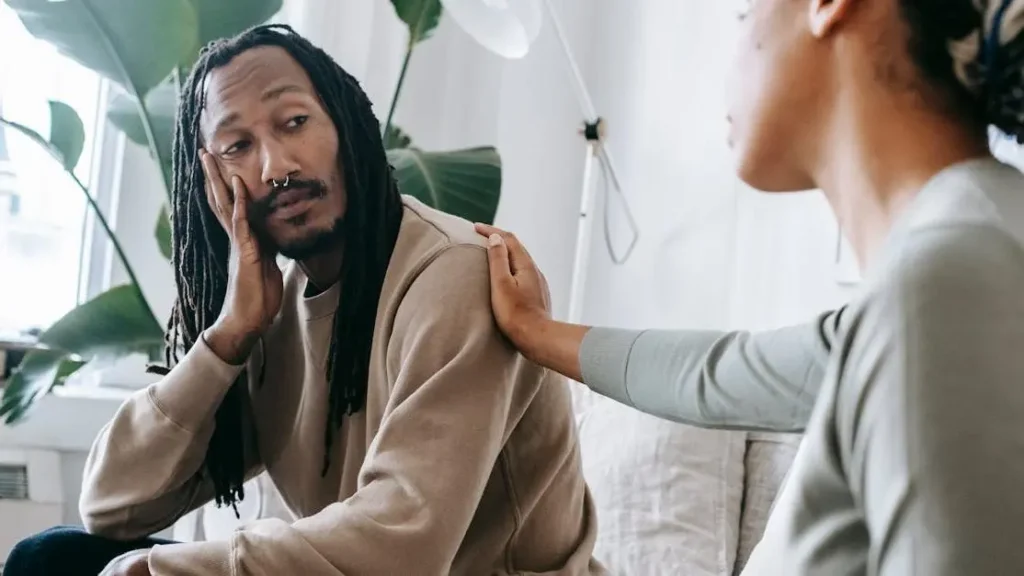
225, 122
271, 94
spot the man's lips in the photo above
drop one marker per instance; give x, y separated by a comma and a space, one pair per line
289, 197
292, 209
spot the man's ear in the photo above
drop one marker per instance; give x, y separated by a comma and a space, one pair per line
824, 15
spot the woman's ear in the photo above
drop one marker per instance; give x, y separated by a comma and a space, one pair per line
824, 15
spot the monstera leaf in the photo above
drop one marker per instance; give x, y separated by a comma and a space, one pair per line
135, 43
466, 183
421, 16
115, 324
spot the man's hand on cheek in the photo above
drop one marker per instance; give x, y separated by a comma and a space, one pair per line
135, 563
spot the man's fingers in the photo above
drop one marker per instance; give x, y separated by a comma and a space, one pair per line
221, 204
240, 209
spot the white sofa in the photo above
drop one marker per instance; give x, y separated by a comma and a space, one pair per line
674, 499
671, 499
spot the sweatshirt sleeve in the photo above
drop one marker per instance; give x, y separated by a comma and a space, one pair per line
457, 391
143, 471
748, 380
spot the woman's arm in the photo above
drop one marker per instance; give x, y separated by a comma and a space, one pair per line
765, 380
751, 380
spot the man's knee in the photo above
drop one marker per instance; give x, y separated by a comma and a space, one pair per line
29, 556
55, 551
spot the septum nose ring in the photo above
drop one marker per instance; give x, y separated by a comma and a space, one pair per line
284, 184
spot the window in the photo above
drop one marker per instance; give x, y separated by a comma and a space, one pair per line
43, 215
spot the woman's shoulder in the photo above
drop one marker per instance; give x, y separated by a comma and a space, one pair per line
948, 283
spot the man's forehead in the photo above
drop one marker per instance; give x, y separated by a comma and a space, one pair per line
256, 75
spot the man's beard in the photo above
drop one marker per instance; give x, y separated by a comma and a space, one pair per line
316, 242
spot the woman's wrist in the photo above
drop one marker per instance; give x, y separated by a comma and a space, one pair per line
528, 335
552, 344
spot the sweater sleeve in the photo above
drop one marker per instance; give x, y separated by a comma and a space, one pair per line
749, 380
927, 423
143, 471
457, 391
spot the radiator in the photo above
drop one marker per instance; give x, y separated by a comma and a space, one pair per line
31, 495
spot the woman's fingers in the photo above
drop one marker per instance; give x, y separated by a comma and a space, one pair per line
497, 260
516, 256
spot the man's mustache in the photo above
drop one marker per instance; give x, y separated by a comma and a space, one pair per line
263, 207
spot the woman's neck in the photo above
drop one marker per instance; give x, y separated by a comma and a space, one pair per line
880, 156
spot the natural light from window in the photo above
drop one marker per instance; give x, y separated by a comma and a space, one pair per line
42, 212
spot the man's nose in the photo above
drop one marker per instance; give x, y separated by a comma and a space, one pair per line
278, 164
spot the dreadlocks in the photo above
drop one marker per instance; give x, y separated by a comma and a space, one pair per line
201, 247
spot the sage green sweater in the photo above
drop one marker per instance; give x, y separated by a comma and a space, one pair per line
912, 397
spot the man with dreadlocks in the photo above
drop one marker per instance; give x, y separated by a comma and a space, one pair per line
367, 378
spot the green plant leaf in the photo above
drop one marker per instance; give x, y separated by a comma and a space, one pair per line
395, 138
135, 43
115, 323
39, 372
163, 232
162, 104
466, 183
66, 133
421, 16
226, 18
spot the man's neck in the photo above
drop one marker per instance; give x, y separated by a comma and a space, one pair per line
880, 157
323, 270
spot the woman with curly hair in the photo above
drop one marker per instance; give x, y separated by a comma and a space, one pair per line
911, 396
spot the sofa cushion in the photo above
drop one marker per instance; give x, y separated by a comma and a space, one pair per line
668, 496
767, 461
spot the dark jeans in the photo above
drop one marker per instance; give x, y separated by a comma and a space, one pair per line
68, 551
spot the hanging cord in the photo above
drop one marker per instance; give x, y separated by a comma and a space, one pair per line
594, 133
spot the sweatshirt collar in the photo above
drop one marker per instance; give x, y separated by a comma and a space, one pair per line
323, 304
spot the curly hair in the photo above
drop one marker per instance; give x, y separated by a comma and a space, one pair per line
972, 51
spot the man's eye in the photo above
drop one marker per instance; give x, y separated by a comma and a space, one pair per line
297, 121
236, 147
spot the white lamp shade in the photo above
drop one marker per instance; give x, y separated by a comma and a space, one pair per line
505, 27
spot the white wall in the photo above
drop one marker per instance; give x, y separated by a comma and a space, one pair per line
713, 253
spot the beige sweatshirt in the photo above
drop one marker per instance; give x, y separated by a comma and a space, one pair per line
464, 461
